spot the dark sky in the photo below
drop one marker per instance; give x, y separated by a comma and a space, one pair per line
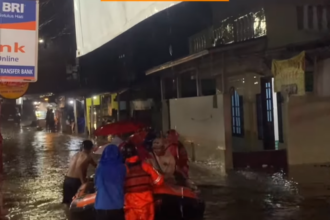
144, 46
57, 29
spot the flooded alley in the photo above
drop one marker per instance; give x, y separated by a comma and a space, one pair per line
35, 163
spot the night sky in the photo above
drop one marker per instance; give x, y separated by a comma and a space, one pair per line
144, 46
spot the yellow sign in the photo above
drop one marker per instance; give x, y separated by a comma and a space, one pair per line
289, 75
114, 104
13, 90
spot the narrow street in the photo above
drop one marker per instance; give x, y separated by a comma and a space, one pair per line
35, 163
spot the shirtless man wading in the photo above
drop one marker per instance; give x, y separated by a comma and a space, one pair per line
77, 172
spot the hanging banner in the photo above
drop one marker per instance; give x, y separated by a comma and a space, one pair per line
19, 40
13, 90
98, 22
289, 75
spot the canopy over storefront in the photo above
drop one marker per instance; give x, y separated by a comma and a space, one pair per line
98, 22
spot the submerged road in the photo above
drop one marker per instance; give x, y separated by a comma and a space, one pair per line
35, 163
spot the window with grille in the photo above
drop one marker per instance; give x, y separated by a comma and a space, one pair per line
313, 17
237, 114
269, 102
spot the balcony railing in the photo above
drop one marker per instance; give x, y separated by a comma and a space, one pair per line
201, 40
230, 30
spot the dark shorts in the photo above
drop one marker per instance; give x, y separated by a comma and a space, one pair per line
70, 188
115, 214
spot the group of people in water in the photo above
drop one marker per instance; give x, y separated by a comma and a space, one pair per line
126, 174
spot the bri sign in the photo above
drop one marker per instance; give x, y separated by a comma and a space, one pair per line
19, 40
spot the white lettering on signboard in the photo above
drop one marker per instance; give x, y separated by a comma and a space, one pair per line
19, 40
12, 7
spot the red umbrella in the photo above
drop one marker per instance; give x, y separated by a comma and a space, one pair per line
118, 128
138, 137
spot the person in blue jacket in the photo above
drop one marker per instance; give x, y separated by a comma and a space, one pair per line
109, 181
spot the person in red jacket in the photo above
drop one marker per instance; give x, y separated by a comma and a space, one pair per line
138, 140
141, 176
176, 148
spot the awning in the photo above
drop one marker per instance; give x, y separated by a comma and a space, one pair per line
202, 53
177, 62
98, 22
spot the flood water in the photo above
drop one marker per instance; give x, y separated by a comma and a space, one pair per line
35, 163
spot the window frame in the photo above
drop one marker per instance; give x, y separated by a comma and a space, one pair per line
237, 114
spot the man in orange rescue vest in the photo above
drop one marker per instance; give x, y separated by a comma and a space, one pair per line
140, 177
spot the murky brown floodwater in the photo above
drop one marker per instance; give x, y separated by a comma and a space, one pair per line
35, 163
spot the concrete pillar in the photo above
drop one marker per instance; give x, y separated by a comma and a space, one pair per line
198, 84
165, 107
75, 116
162, 89
91, 113
250, 117
118, 112
178, 87
315, 76
85, 114
223, 74
228, 132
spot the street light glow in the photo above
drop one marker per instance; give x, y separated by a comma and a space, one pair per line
71, 102
94, 97
41, 41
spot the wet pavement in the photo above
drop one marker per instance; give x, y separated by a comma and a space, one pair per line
35, 163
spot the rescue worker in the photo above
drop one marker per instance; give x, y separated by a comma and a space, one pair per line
140, 177
138, 140
176, 148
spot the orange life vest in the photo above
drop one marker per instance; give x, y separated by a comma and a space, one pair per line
137, 180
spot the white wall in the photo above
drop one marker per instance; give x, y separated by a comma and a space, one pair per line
307, 137
201, 121
308, 123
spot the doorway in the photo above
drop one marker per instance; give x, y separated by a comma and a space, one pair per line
269, 122
267, 113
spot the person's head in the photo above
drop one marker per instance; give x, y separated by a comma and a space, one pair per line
129, 150
172, 136
158, 146
138, 138
111, 155
87, 146
149, 139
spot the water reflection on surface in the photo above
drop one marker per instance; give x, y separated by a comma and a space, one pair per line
35, 163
